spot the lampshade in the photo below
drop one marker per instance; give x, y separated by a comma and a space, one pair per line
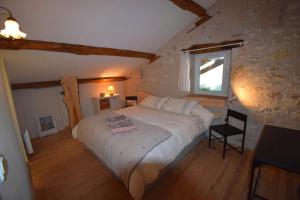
12, 30
111, 90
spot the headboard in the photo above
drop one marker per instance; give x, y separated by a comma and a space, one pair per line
208, 101
204, 100
214, 103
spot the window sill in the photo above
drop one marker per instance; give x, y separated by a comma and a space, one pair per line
208, 96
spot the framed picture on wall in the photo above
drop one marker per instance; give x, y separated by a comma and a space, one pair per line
46, 124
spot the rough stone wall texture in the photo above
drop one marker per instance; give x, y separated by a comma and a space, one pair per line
264, 73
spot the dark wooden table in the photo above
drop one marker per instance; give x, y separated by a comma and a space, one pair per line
277, 147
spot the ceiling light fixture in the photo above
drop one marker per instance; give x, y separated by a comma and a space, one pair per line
11, 29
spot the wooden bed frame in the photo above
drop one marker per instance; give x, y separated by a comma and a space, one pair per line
167, 169
206, 101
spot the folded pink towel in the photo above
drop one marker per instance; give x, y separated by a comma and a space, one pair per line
123, 131
120, 124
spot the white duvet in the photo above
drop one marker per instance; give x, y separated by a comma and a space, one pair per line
183, 128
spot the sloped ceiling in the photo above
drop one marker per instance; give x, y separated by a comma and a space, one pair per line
142, 25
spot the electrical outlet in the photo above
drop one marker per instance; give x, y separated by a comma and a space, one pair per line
2, 169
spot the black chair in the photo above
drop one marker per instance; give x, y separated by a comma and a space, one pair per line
130, 98
227, 130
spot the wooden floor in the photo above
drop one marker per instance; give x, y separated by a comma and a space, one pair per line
62, 168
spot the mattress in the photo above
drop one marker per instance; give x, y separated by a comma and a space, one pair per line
184, 130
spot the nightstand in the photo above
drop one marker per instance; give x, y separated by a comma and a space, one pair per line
110, 102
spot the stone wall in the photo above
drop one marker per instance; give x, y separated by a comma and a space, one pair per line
265, 72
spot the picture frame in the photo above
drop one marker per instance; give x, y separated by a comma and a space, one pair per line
46, 124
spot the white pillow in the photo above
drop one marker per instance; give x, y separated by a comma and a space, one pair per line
203, 114
180, 106
162, 102
154, 101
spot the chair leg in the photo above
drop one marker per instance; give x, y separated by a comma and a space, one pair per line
209, 138
224, 147
243, 143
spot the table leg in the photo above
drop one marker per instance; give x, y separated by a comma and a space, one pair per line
257, 179
224, 146
209, 140
251, 181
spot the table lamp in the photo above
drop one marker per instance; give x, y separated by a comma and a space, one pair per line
111, 90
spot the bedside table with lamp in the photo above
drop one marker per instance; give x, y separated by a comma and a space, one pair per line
110, 101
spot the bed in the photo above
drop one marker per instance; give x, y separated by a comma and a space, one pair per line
182, 132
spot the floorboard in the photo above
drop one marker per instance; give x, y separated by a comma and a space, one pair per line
61, 168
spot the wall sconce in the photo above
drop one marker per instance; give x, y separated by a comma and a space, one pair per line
111, 90
230, 100
11, 29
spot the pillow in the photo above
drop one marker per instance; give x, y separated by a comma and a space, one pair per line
180, 106
154, 101
162, 102
203, 114
142, 95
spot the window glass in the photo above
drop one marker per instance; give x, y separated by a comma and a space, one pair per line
212, 73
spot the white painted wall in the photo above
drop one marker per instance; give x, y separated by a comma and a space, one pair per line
31, 103
17, 184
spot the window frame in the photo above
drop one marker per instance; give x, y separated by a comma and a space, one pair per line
226, 73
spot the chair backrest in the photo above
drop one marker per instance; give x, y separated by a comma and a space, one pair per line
237, 115
131, 98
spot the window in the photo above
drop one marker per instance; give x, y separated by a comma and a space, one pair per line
211, 73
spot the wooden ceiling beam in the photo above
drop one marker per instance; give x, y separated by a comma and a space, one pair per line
77, 49
45, 84
202, 20
101, 79
195, 8
191, 6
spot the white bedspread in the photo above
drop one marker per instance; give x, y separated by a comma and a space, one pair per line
120, 153
184, 129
